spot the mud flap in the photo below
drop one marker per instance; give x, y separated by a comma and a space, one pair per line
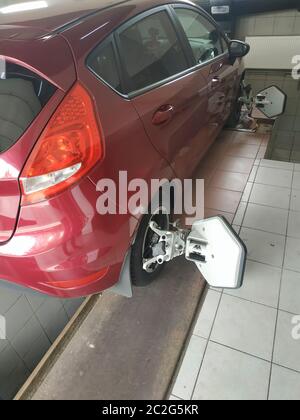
124, 285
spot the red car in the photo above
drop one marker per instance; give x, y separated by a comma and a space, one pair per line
89, 89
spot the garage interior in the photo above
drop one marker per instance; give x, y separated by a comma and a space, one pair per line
178, 339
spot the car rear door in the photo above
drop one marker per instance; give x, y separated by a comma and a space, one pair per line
169, 96
209, 51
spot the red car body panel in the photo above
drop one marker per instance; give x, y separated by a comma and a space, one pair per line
64, 239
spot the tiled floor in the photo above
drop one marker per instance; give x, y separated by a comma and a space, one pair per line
242, 346
227, 170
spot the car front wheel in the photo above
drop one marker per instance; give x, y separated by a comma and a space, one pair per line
143, 246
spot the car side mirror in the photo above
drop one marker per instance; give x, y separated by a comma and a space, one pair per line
238, 49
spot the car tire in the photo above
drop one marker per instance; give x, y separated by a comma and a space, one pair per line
236, 113
141, 249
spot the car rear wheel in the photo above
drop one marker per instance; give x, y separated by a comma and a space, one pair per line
142, 249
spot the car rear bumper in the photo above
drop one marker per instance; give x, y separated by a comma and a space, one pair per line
64, 248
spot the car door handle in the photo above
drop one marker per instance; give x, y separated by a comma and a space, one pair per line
163, 115
215, 81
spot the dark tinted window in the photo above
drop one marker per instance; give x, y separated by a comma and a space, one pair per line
23, 94
203, 36
104, 64
151, 51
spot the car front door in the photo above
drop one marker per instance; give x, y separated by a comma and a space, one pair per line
169, 96
210, 52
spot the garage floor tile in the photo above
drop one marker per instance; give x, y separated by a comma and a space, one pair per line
173, 398
297, 167
285, 385
190, 367
276, 177
261, 284
253, 337
247, 192
287, 348
227, 374
229, 180
221, 199
262, 152
240, 214
290, 292
267, 195
277, 165
207, 315
294, 225
241, 165
253, 173
268, 219
245, 151
264, 247
295, 200
206, 174
245, 326
296, 181
237, 228
292, 255
249, 139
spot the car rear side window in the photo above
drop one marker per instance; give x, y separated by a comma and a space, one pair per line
203, 37
103, 63
23, 94
151, 51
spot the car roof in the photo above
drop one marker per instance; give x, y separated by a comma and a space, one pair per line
50, 15
36, 19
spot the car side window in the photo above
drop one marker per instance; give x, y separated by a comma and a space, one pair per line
202, 35
151, 51
103, 63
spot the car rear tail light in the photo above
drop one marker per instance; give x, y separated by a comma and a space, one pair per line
67, 150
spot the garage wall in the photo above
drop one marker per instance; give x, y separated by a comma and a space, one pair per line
33, 322
285, 142
275, 23
283, 23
